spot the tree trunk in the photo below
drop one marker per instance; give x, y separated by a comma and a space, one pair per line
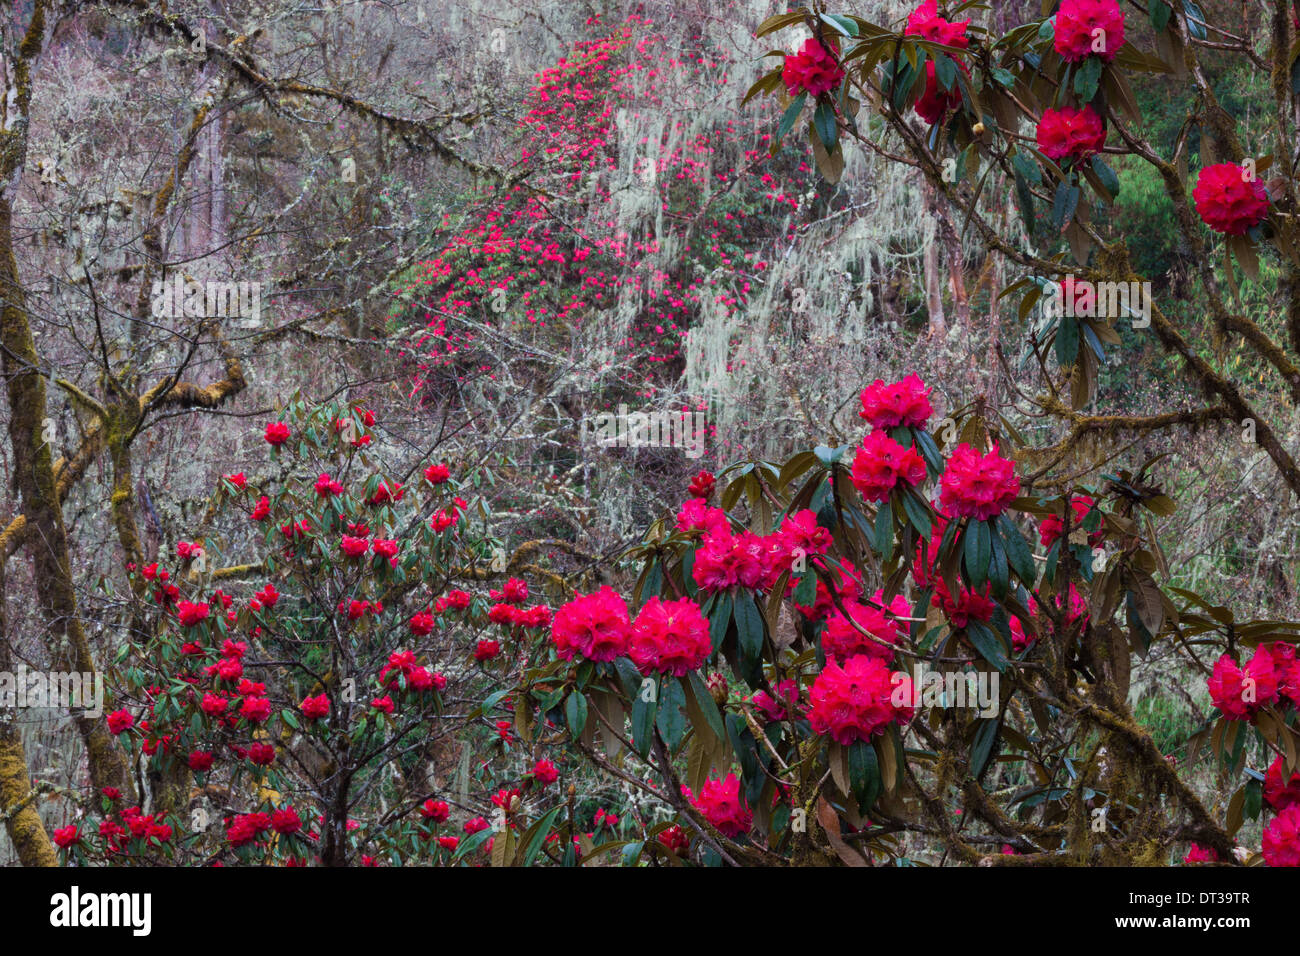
23, 825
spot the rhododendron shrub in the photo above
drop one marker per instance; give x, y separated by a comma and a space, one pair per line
769, 664
308, 687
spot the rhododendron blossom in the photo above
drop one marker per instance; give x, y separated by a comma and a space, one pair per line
857, 700
720, 803
906, 402
882, 464
1229, 199
813, 70
1070, 134
978, 486
670, 637
1281, 843
1241, 691
1088, 27
594, 626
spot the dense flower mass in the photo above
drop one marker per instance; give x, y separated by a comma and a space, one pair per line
594, 626
1088, 27
813, 70
925, 22
1281, 843
277, 433
978, 486
906, 402
856, 701
1229, 199
1240, 692
1281, 794
670, 637
881, 464
1070, 134
720, 802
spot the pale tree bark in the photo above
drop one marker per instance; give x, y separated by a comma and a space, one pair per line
938, 324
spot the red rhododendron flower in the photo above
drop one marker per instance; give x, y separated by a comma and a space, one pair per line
1068, 133
854, 702
1287, 671
594, 626
268, 596
670, 637
475, 825
286, 820
515, 591
1201, 854
237, 479
277, 433
191, 614
212, 705
697, 515
1281, 843
261, 754
780, 707
65, 837
1277, 793
436, 810
1228, 201
449, 842
354, 547
978, 486
1052, 526
255, 709
262, 510
120, 721
717, 563
1087, 27
899, 403
383, 704
813, 70
387, 491
458, 600
437, 474
1241, 692
935, 102
801, 531
674, 840
926, 23
200, 760
327, 487
702, 485
719, 801
314, 708
385, 547
486, 650
881, 464
421, 624
545, 772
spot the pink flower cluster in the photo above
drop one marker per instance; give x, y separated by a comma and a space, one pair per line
856, 701
1271, 673
1085, 27
726, 561
813, 70
978, 486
